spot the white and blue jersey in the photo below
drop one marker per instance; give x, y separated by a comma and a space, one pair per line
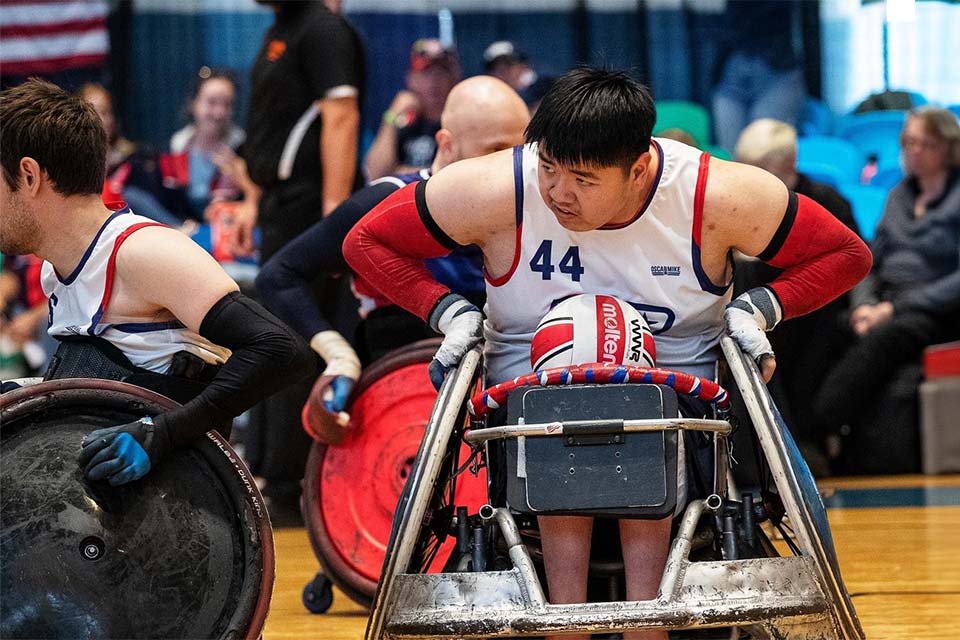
79, 305
651, 262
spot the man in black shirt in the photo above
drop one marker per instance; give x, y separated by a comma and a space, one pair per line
302, 129
807, 346
301, 149
482, 115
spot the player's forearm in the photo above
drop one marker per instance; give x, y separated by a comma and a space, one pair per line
388, 248
338, 157
820, 257
266, 356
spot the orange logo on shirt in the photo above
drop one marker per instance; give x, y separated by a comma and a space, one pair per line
275, 49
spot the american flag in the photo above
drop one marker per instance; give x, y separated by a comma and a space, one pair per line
44, 37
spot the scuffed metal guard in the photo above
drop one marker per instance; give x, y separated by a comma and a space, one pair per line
800, 597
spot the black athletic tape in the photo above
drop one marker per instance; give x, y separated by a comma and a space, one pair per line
438, 309
420, 197
776, 242
764, 302
743, 305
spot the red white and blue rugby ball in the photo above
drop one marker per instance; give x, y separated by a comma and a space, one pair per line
592, 328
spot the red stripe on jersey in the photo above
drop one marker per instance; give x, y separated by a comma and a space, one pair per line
502, 280
69, 27
699, 196
112, 263
611, 331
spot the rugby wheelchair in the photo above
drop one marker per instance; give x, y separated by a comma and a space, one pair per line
185, 552
452, 573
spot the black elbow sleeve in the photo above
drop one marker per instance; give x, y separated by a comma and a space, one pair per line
266, 356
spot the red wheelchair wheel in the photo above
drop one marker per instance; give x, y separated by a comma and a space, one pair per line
351, 489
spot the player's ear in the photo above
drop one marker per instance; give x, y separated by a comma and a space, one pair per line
444, 141
30, 175
638, 170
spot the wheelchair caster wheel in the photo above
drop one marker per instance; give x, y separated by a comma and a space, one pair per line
318, 594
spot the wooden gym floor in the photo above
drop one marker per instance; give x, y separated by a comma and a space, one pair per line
898, 539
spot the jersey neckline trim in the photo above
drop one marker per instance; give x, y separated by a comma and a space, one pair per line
646, 203
86, 255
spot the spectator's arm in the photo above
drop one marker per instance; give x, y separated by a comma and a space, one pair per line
382, 158
940, 296
338, 148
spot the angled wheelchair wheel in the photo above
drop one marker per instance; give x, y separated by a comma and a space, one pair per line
351, 489
185, 552
796, 487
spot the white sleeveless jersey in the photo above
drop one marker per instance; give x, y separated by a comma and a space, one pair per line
652, 262
78, 303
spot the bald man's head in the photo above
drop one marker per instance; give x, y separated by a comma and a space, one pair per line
482, 115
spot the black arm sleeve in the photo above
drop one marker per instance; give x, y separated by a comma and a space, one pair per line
267, 356
284, 284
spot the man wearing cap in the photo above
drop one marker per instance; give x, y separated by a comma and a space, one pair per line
502, 60
406, 139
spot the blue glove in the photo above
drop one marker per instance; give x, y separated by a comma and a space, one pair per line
123, 453
341, 386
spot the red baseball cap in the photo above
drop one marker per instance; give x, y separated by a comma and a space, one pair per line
430, 52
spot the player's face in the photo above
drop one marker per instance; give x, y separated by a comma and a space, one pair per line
585, 197
19, 232
213, 107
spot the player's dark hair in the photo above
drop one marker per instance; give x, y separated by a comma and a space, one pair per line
594, 117
59, 130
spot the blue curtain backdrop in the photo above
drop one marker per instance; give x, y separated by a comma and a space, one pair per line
668, 45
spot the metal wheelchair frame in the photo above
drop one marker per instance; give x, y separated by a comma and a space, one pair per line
800, 597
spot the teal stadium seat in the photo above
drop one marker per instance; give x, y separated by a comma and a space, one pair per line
874, 133
816, 119
718, 152
887, 177
828, 159
689, 116
867, 202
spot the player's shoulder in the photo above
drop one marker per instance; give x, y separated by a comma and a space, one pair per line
733, 187
155, 245
476, 197
483, 177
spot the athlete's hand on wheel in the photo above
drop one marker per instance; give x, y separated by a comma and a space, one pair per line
323, 415
748, 318
461, 324
342, 372
123, 453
